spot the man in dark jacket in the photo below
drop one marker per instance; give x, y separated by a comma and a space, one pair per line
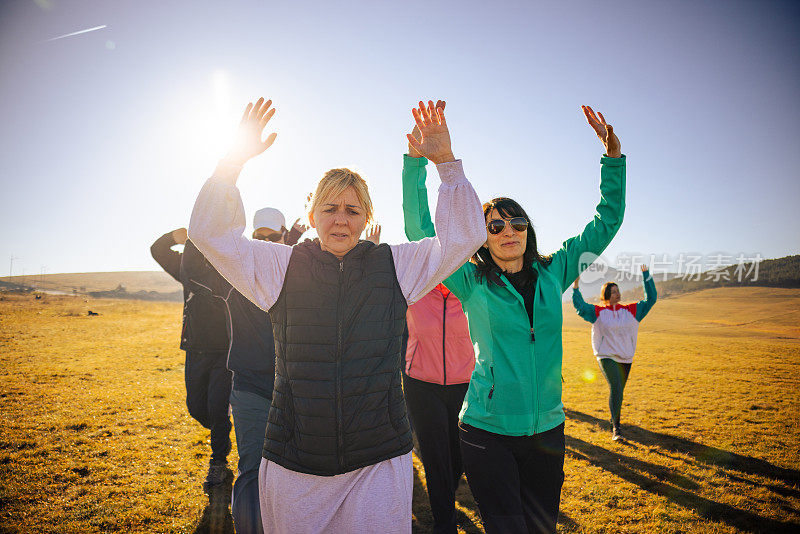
251, 358
205, 340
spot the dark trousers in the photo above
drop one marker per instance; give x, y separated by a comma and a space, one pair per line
617, 376
433, 410
516, 480
208, 388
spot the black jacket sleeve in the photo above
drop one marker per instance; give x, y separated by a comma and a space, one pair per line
168, 259
200, 274
293, 236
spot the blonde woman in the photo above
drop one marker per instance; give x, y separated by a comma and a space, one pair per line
337, 449
615, 328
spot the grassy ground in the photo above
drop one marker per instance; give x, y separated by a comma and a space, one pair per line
95, 435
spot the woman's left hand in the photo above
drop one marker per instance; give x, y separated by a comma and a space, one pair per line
302, 228
434, 143
604, 131
645, 268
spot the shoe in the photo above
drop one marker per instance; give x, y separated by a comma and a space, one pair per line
217, 474
616, 434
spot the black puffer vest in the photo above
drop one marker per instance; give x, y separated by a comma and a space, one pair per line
338, 401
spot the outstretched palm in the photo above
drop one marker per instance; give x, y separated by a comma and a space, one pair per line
434, 142
248, 143
415, 133
604, 131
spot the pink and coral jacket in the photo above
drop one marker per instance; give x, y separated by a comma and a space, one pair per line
439, 347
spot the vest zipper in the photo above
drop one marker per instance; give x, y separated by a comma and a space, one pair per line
444, 360
339, 431
491, 391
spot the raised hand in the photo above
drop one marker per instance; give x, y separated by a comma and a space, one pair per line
434, 141
440, 104
645, 267
248, 143
374, 233
302, 228
604, 131
179, 235
576, 284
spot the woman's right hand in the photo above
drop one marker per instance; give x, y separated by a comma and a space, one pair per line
575, 285
248, 143
415, 133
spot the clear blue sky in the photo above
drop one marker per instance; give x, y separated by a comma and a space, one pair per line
108, 135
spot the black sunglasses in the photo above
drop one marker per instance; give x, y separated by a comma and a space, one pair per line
495, 226
269, 237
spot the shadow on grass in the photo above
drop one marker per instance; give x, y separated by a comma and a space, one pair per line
217, 517
662, 481
703, 453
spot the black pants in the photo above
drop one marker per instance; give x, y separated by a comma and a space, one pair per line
433, 409
208, 389
516, 480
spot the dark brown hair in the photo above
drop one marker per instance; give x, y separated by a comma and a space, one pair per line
487, 268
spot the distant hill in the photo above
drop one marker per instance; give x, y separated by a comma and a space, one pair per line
144, 285
780, 272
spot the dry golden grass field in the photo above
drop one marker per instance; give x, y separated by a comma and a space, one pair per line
95, 435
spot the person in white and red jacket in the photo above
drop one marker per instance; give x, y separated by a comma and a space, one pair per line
615, 328
439, 364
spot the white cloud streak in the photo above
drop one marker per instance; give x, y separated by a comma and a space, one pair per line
77, 33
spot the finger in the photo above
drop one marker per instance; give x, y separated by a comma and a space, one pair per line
416, 145
418, 118
602, 119
268, 143
265, 119
442, 121
594, 115
246, 111
588, 116
423, 111
257, 107
264, 109
297, 221
609, 131
441, 104
432, 112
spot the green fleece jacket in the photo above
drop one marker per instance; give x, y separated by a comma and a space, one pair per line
515, 388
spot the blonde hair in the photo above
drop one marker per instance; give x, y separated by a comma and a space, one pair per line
335, 182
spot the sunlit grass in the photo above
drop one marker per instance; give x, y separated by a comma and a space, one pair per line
95, 435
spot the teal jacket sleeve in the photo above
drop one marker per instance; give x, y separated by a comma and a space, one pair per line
597, 235
416, 213
650, 296
586, 311
418, 223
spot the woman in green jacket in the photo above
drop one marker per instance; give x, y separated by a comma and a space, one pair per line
512, 419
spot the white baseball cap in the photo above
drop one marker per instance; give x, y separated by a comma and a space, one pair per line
269, 218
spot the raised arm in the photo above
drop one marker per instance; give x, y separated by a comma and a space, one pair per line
416, 213
650, 295
168, 259
459, 229
255, 268
586, 311
569, 261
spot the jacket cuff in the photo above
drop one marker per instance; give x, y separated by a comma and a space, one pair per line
409, 161
226, 172
452, 172
613, 162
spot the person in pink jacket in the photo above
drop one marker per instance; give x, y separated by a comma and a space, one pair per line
439, 364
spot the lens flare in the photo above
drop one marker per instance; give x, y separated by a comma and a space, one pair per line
589, 375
